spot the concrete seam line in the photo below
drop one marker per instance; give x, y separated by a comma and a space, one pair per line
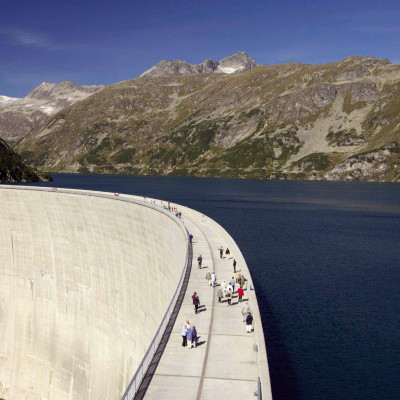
203, 371
216, 379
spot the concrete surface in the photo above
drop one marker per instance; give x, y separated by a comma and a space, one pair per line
84, 283
225, 365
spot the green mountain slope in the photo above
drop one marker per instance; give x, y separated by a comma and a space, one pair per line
334, 121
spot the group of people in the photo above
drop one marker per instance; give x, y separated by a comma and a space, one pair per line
189, 335
211, 277
225, 290
221, 251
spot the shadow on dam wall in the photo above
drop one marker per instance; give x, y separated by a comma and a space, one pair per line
85, 282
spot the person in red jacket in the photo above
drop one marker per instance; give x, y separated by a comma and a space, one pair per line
240, 294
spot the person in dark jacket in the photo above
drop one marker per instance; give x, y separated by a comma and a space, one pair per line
196, 302
194, 337
199, 261
249, 322
234, 265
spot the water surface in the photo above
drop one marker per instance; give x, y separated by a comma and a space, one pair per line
325, 258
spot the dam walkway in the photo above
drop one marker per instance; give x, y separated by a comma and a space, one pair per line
228, 362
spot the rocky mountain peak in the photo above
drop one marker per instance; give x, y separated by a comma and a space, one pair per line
237, 62
18, 116
48, 90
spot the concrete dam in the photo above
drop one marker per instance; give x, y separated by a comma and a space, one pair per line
85, 280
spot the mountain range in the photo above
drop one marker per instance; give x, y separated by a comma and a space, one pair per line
227, 118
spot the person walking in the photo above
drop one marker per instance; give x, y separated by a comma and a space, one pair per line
249, 322
194, 337
234, 266
208, 276
229, 297
237, 276
190, 238
245, 310
243, 282
219, 294
240, 294
199, 261
196, 302
223, 287
213, 279
232, 282
184, 333
221, 252
189, 338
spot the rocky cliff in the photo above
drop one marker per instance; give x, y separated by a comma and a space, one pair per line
12, 168
333, 121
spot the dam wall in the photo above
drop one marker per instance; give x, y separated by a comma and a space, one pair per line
84, 284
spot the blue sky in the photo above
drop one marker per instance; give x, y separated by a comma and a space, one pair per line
103, 42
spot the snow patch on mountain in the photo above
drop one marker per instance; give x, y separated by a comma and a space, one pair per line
230, 70
8, 100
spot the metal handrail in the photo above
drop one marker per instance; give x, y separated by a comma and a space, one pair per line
144, 365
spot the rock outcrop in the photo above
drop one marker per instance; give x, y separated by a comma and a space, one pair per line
12, 168
238, 62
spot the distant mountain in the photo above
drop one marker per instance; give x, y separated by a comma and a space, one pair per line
12, 168
336, 121
238, 62
19, 116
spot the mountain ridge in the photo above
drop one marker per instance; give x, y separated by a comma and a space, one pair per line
238, 62
334, 121
18, 116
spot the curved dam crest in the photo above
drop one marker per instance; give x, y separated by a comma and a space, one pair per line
84, 284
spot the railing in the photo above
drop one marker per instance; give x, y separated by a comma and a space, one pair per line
144, 365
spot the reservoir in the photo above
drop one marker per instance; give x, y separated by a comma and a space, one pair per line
325, 259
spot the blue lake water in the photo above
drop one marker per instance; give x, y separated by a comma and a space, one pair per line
325, 259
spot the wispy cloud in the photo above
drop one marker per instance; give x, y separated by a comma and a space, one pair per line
26, 38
